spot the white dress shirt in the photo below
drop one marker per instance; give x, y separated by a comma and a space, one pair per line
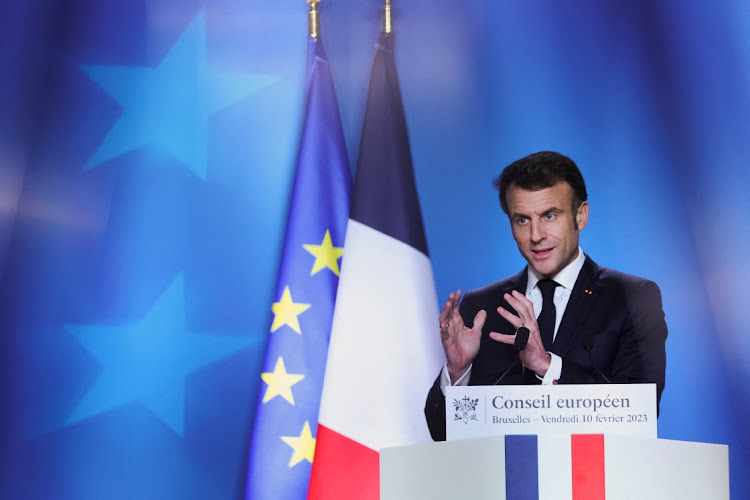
566, 279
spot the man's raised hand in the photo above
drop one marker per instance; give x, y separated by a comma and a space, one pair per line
461, 343
534, 356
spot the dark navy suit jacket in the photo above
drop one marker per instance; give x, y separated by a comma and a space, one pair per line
618, 315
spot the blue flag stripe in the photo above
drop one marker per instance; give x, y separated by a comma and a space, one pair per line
385, 193
521, 468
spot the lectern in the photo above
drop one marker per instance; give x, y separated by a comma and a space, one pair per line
629, 468
553, 464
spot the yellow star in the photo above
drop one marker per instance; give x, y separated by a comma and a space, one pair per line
326, 255
303, 446
280, 382
286, 312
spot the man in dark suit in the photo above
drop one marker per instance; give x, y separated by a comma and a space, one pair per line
587, 324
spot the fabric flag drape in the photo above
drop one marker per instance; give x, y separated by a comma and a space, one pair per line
385, 349
283, 440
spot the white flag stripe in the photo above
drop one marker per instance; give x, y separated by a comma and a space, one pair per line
555, 468
385, 343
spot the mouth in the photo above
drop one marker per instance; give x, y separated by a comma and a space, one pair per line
542, 253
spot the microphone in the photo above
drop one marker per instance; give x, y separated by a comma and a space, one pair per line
522, 338
587, 341
519, 344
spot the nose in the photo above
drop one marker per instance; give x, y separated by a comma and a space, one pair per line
537, 232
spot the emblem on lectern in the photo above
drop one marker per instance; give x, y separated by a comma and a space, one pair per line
466, 409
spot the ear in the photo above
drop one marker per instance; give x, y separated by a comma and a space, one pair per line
582, 216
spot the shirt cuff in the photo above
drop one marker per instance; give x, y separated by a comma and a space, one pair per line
554, 371
445, 379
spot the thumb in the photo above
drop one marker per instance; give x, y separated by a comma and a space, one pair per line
479, 320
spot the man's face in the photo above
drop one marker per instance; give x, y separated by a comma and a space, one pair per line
544, 227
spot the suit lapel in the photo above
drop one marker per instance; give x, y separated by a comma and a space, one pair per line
584, 294
517, 282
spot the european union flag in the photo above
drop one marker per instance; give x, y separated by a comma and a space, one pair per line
283, 444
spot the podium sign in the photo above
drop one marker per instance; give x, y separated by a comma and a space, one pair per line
482, 411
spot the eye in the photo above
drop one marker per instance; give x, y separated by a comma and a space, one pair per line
549, 216
522, 220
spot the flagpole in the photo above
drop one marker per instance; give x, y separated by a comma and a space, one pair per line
387, 26
313, 19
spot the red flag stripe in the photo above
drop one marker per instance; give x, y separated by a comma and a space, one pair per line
587, 454
343, 469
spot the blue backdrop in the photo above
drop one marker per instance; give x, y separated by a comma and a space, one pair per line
147, 150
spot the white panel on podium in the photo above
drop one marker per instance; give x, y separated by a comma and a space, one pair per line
452, 470
660, 468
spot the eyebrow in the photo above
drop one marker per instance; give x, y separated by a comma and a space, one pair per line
553, 209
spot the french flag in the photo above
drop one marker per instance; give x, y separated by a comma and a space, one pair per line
384, 348
613, 467
557, 467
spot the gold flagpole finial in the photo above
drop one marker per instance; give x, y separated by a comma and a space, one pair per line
313, 20
387, 26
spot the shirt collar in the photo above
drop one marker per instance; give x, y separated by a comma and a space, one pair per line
565, 278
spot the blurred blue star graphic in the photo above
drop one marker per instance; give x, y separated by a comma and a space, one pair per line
148, 361
169, 105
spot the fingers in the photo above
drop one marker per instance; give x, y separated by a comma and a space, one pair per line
444, 315
451, 322
479, 320
502, 337
451, 306
446, 312
510, 317
519, 302
450, 313
456, 319
523, 307
447, 307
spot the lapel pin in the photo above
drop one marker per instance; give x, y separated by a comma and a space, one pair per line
588, 292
